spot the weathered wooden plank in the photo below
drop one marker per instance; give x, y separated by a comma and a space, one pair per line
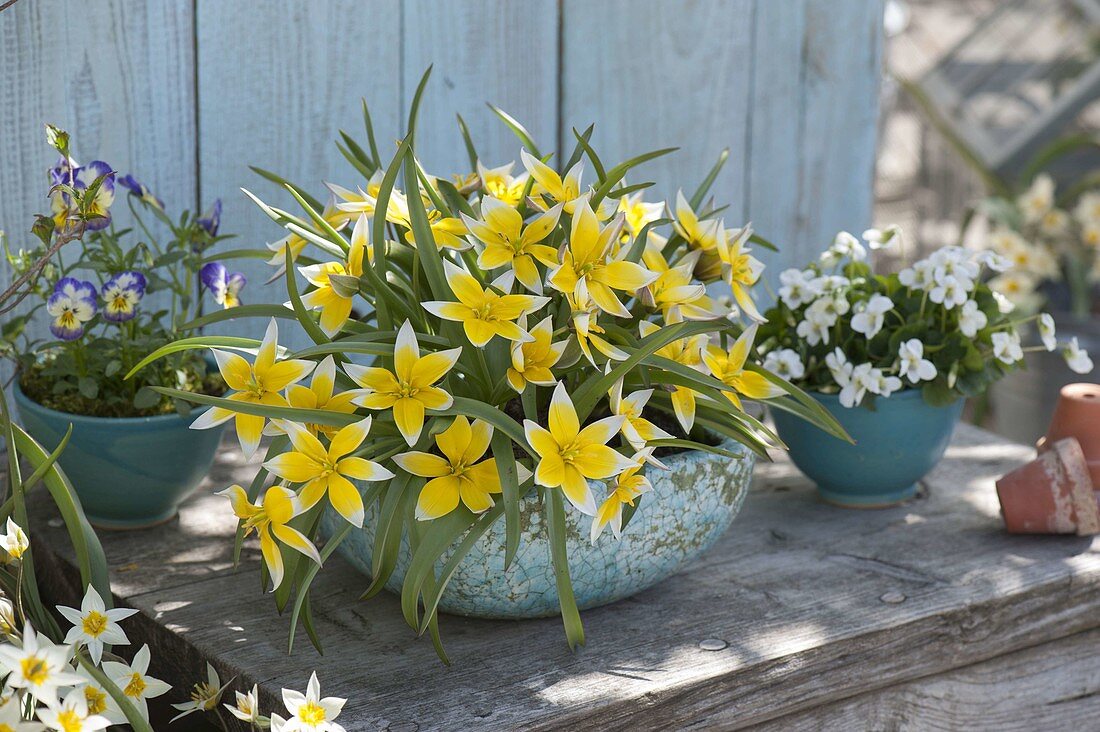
671, 74
1055, 685
818, 605
120, 79
495, 51
277, 81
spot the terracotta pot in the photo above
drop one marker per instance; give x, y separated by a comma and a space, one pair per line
1051, 495
1077, 414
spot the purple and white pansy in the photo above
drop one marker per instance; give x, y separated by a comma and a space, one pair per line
121, 295
137, 188
212, 219
81, 177
72, 304
225, 286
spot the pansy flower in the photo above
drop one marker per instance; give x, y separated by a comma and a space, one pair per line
223, 285
212, 219
121, 294
80, 178
139, 189
72, 304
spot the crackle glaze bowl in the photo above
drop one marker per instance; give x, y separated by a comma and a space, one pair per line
690, 506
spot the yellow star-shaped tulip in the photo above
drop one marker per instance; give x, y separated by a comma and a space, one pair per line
569, 455
698, 234
561, 190
629, 484
729, 368
484, 312
324, 470
501, 184
638, 213
409, 389
296, 243
256, 383
685, 351
740, 268
589, 270
508, 242
675, 291
319, 395
269, 520
335, 302
532, 360
589, 334
636, 429
457, 475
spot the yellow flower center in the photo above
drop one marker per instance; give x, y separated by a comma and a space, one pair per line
311, 713
68, 721
96, 700
205, 695
94, 623
67, 319
570, 452
407, 391
136, 687
35, 670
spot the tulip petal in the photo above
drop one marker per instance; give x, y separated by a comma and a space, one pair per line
346, 499
423, 464
234, 369
408, 414
362, 469
577, 490
438, 497
349, 438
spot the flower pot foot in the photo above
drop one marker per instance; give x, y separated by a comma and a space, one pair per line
141, 522
1052, 494
887, 499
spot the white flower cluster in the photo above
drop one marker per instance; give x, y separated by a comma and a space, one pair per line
857, 380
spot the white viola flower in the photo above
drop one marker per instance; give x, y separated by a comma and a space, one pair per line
871, 315
795, 288
15, 540
247, 707
94, 625
134, 681
861, 378
309, 712
950, 291
912, 363
71, 715
1087, 210
1077, 358
812, 331
844, 246
1046, 331
205, 695
992, 260
882, 238
954, 262
1006, 347
1038, 199
971, 319
831, 284
879, 383
39, 667
919, 276
1004, 305
786, 363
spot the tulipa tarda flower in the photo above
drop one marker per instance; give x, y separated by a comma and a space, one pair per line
729, 368
509, 242
485, 312
269, 519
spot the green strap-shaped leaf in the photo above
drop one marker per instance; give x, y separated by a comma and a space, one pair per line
617, 173
370, 135
191, 344
133, 716
696, 199
430, 258
597, 164
261, 310
414, 108
802, 404
308, 323
436, 537
510, 493
293, 414
471, 150
387, 536
517, 129
559, 554
578, 149
283, 182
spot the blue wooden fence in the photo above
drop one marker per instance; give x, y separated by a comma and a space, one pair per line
187, 93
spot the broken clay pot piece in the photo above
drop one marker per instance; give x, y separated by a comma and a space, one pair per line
1052, 494
1077, 414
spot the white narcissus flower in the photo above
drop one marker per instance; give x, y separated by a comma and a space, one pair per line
1046, 331
1006, 347
786, 363
871, 316
882, 238
94, 625
71, 715
1077, 358
15, 540
913, 365
39, 667
134, 681
309, 712
971, 319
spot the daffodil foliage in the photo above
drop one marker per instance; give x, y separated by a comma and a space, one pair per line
510, 332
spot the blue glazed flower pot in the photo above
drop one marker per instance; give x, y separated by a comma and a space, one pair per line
129, 473
896, 445
690, 506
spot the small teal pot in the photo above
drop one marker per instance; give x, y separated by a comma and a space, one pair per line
896, 445
130, 472
690, 506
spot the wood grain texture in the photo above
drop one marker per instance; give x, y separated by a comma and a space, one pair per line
496, 51
795, 588
119, 78
277, 81
666, 75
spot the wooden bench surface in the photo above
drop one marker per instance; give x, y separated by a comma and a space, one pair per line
830, 617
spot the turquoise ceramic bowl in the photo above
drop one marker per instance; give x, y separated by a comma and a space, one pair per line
895, 446
691, 505
129, 473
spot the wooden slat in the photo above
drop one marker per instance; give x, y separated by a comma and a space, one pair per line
818, 605
119, 79
666, 75
496, 51
277, 80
